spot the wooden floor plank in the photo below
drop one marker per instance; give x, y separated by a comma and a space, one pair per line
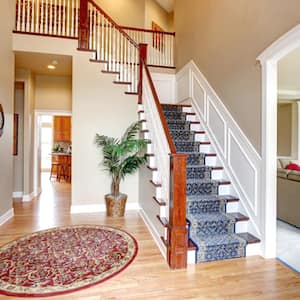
149, 277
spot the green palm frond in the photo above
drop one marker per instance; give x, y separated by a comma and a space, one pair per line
125, 155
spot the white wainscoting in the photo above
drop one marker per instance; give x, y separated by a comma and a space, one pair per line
241, 162
165, 86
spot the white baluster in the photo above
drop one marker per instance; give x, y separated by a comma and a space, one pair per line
76, 17
172, 51
64, 18
94, 24
91, 27
106, 41
46, 17
32, 16
59, 18
55, 18
72, 5
98, 35
114, 49
37, 16
18, 25
68, 18
121, 58
50, 17
102, 23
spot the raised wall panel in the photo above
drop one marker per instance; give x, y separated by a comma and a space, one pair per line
198, 93
183, 87
165, 87
217, 126
243, 171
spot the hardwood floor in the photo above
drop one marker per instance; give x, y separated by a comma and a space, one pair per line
149, 277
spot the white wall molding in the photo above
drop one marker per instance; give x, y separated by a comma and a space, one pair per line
242, 163
17, 194
288, 94
29, 197
154, 233
6, 216
269, 62
93, 208
165, 86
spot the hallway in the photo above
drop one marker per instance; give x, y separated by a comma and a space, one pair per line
149, 276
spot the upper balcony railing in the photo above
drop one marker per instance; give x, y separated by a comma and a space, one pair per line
62, 18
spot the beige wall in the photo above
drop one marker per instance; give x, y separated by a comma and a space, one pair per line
137, 13
29, 101
125, 12
99, 106
284, 130
224, 37
7, 100
19, 158
154, 12
53, 92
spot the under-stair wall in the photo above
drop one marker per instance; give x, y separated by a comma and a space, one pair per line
241, 162
93, 93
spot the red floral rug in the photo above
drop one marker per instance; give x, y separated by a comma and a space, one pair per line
64, 259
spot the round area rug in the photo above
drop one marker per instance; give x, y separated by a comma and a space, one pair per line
64, 259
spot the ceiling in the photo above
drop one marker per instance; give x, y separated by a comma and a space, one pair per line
38, 62
289, 75
168, 5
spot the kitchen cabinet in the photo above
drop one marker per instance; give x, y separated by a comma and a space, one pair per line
61, 129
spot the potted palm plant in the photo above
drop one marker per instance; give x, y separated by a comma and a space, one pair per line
121, 156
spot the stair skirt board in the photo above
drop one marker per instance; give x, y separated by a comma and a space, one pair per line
210, 227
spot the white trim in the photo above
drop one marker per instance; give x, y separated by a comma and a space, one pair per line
298, 104
17, 194
222, 137
154, 234
29, 197
269, 59
288, 94
93, 208
6, 216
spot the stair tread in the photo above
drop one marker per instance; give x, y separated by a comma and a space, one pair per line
191, 245
163, 221
220, 182
238, 216
218, 239
248, 237
228, 198
159, 201
210, 217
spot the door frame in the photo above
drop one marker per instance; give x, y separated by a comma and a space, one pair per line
269, 63
37, 143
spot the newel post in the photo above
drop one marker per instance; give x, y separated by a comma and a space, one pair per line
83, 30
177, 232
143, 59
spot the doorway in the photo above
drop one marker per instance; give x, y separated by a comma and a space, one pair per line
269, 62
53, 148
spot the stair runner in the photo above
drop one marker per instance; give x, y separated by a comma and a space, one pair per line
210, 228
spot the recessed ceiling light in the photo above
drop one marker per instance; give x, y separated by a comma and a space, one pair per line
51, 67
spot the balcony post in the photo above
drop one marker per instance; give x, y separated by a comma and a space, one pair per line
143, 59
83, 30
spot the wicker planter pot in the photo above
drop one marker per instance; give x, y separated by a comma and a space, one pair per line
115, 205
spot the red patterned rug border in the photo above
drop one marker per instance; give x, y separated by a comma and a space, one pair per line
51, 294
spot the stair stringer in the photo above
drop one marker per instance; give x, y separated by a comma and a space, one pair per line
224, 134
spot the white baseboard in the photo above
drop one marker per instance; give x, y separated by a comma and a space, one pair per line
6, 216
154, 234
29, 197
93, 208
17, 194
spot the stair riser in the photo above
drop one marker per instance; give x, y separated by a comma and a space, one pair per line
217, 174
191, 118
232, 207
149, 148
225, 189
142, 116
211, 160
241, 226
152, 161
144, 126
205, 148
196, 127
200, 137
155, 176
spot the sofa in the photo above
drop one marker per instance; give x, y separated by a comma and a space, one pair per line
288, 191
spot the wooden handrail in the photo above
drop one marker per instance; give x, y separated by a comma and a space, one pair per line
177, 244
113, 22
160, 111
147, 30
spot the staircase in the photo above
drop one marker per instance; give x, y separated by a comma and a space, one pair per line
211, 228
197, 206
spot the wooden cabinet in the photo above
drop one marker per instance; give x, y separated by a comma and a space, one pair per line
61, 167
61, 129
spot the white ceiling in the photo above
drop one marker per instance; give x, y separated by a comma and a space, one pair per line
289, 75
38, 62
168, 5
